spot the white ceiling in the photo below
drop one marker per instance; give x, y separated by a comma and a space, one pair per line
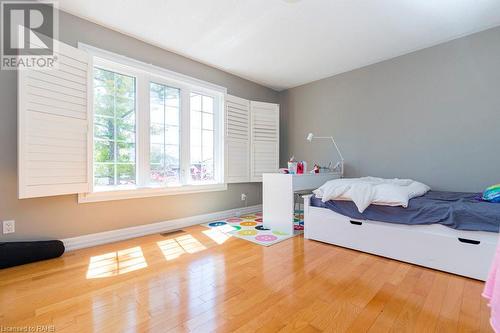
286, 43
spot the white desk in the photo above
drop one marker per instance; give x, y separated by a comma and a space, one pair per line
278, 197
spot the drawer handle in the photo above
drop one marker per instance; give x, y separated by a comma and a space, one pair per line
469, 241
356, 222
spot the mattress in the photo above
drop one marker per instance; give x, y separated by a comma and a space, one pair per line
457, 210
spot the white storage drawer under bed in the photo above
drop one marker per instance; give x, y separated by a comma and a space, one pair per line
467, 253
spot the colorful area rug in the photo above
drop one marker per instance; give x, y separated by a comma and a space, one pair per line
249, 227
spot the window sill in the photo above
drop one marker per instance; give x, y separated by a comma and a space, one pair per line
146, 192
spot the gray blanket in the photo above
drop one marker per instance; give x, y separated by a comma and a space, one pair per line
463, 211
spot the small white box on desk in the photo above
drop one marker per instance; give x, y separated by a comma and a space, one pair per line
278, 193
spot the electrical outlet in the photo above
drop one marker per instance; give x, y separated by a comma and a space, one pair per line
243, 196
9, 227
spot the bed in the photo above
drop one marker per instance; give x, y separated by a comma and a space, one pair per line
448, 231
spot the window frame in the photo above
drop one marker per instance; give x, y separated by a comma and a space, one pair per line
218, 150
116, 68
147, 171
144, 75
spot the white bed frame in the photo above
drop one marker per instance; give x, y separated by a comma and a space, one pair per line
467, 253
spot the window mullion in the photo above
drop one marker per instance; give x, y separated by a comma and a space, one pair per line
143, 130
202, 155
164, 146
115, 143
185, 136
219, 131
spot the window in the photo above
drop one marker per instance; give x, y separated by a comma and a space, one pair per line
114, 129
202, 138
164, 134
156, 132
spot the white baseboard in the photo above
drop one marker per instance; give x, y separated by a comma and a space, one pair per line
105, 237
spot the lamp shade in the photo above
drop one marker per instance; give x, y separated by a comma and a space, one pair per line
309, 137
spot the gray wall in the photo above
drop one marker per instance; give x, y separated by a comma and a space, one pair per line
432, 115
61, 217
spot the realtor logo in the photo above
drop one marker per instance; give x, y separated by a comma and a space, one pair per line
27, 36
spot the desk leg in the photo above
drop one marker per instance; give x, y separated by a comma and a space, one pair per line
277, 203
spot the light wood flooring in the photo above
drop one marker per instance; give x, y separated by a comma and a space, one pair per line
200, 281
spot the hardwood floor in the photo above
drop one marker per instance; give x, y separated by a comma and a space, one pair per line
189, 282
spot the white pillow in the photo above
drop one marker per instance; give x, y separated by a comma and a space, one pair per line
391, 195
417, 189
320, 192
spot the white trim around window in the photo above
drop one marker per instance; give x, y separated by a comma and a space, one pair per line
145, 74
150, 68
145, 192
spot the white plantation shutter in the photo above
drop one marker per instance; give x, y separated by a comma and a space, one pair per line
264, 124
237, 140
54, 147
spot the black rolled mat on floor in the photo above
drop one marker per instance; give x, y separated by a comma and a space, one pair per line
19, 253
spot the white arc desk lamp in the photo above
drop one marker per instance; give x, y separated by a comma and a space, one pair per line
311, 136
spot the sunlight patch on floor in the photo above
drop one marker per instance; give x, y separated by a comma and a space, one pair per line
217, 235
175, 247
116, 263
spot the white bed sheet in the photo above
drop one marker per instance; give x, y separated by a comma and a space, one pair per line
372, 190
